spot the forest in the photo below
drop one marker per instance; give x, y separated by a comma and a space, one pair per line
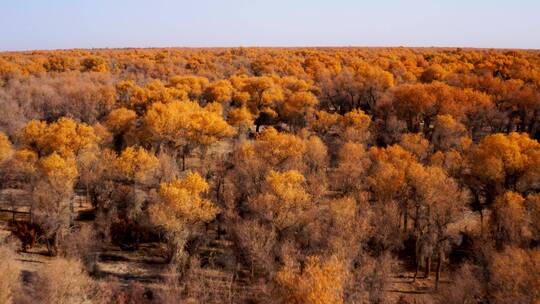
270, 175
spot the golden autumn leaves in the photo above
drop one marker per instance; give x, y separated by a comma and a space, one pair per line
6, 149
182, 203
184, 122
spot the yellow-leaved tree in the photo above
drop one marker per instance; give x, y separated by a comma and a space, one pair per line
135, 164
220, 91
193, 85
355, 126
321, 281
181, 205
509, 221
184, 125
64, 136
6, 149
286, 201
119, 122
276, 148
240, 118
500, 163
52, 206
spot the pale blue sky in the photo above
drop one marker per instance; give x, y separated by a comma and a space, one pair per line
58, 24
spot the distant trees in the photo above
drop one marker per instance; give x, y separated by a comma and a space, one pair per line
94, 64
310, 170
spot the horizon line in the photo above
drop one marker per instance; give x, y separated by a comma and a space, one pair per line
266, 47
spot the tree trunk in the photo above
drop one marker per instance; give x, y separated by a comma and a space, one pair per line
183, 161
31, 216
438, 277
416, 211
405, 219
71, 212
481, 223
417, 269
428, 267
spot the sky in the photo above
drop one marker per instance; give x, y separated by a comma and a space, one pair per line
64, 24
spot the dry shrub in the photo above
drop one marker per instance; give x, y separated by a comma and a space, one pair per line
257, 242
64, 281
172, 289
134, 293
83, 245
514, 276
10, 283
112, 290
209, 286
464, 288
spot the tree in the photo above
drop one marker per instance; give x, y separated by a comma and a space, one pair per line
415, 105
181, 206
21, 168
94, 64
439, 202
388, 177
533, 208
59, 63
276, 148
119, 122
298, 102
513, 276
263, 92
136, 165
355, 125
348, 227
220, 91
240, 118
195, 86
356, 87
352, 168
502, 163
52, 206
509, 221
320, 281
6, 149
184, 125
417, 144
286, 202
64, 136
325, 122
449, 134
131, 95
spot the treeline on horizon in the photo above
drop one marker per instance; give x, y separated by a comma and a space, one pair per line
329, 171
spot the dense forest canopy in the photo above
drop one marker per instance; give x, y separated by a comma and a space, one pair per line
309, 175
